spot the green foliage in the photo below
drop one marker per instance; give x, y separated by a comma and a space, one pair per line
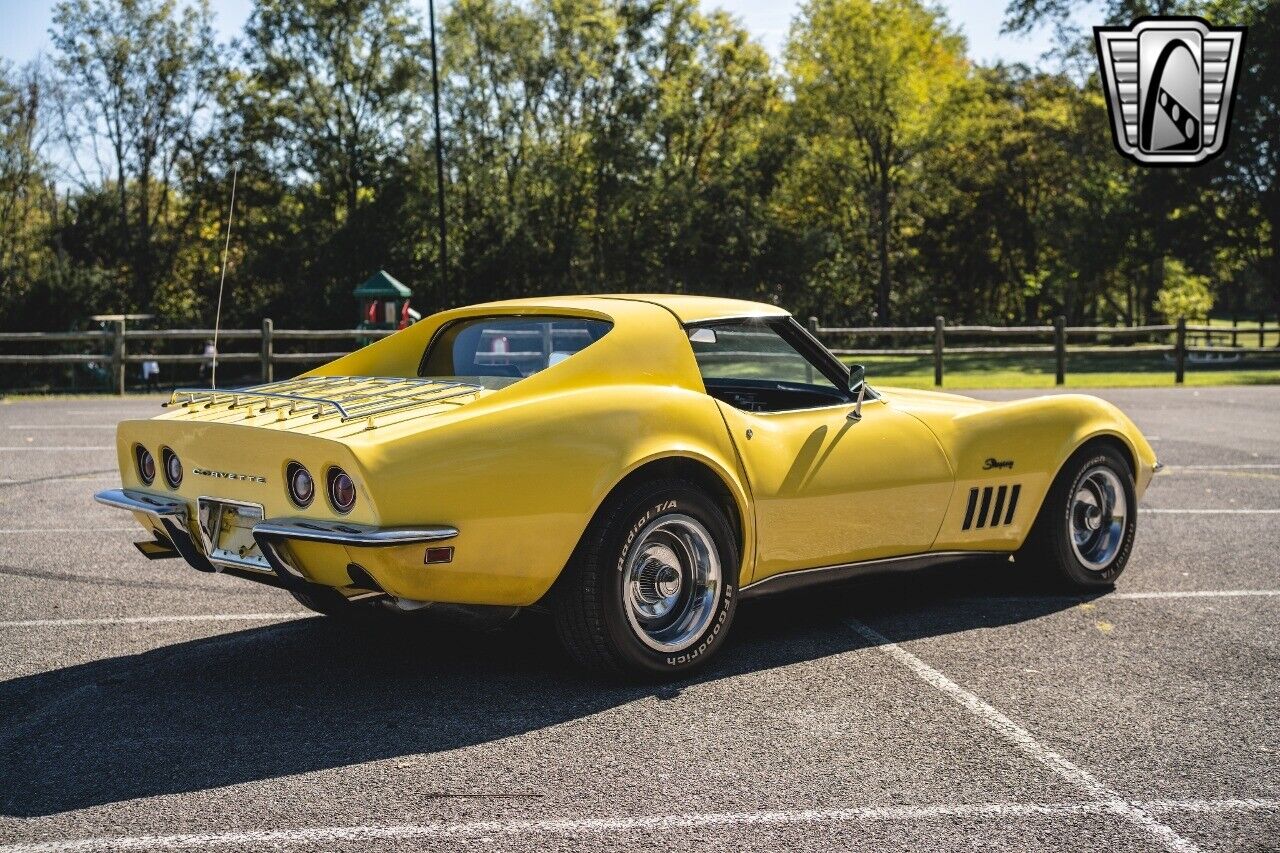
138, 78
23, 196
875, 174
600, 146
877, 88
1184, 296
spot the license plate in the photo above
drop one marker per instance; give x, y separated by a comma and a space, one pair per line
228, 527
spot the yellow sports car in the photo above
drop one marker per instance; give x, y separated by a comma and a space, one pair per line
635, 463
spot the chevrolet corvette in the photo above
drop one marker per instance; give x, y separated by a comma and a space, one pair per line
635, 464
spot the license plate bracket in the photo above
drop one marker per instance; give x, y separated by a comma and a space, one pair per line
227, 528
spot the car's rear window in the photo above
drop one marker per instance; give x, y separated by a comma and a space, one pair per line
497, 351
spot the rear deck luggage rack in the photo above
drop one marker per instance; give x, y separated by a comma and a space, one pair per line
347, 397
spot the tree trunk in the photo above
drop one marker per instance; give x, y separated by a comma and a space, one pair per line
1270, 205
882, 248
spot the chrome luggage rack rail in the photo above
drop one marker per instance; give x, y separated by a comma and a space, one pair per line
348, 398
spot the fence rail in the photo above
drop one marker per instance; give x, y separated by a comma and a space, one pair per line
113, 350
1059, 335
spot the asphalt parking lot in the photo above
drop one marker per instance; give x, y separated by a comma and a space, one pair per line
146, 706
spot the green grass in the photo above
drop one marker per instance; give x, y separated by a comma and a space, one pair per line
1247, 332
1083, 371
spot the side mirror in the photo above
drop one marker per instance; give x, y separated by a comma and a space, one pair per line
857, 377
858, 386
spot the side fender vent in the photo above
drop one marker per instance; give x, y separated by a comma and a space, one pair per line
991, 506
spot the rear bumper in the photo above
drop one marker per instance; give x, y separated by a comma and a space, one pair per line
170, 520
344, 533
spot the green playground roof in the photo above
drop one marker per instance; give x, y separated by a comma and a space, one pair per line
382, 285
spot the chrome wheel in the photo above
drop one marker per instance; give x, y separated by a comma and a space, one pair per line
671, 582
1097, 517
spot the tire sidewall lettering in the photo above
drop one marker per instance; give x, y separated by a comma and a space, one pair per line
709, 638
648, 516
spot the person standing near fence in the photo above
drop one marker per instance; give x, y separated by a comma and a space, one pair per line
210, 358
151, 374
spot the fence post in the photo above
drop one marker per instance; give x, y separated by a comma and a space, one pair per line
117, 356
1235, 323
1060, 349
268, 350
1262, 324
938, 324
813, 326
1180, 351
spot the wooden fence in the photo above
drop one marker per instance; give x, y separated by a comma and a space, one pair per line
118, 348
1142, 339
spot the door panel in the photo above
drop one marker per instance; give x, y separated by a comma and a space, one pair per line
830, 490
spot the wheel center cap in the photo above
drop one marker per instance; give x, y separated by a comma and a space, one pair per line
668, 582
1093, 517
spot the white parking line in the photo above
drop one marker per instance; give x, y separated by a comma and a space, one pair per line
43, 427
61, 447
1194, 593
329, 835
53, 481
1222, 467
1130, 596
1210, 511
6, 531
150, 620
1024, 741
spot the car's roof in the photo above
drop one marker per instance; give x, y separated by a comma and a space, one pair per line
686, 308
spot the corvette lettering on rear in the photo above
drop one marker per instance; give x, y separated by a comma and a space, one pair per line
228, 475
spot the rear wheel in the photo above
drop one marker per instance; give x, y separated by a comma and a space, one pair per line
1084, 533
652, 589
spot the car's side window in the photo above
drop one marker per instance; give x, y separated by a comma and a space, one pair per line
497, 351
752, 366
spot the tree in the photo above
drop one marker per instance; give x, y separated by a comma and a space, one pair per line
1222, 217
1184, 296
604, 145
875, 86
329, 98
140, 78
24, 177
1248, 174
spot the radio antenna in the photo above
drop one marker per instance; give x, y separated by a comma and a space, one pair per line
226, 246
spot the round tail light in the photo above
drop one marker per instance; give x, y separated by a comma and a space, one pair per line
301, 487
146, 464
342, 490
172, 468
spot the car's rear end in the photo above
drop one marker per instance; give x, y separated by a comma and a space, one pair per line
268, 484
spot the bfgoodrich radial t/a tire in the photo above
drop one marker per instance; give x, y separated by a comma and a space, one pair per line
1084, 533
653, 588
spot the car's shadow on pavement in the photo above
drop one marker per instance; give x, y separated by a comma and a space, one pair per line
314, 694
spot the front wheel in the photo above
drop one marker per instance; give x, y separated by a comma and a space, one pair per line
652, 589
1084, 533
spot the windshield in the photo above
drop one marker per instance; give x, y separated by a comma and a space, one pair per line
498, 351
